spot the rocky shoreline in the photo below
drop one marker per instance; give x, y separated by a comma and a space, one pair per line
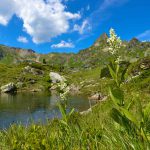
92, 107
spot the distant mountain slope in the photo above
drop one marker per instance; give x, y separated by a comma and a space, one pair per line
93, 56
15, 55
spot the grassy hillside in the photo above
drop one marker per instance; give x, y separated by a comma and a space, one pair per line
26, 81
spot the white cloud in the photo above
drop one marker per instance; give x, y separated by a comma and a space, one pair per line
85, 26
7, 9
22, 39
88, 7
145, 36
108, 3
100, 15
42, 20
63, 44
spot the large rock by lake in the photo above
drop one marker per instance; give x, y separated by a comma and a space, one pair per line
8, 88
56, 78
98, 97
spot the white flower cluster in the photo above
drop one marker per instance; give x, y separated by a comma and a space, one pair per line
118, 60
64, 90
62, 85
114, 42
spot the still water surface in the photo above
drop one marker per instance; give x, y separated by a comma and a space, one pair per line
24, 107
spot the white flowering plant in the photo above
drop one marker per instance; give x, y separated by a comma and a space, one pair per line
63, 90
134, 126
115, 44
66, 115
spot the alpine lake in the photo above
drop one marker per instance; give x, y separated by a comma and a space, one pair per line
25, 108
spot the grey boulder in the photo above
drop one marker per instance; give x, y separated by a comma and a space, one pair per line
8, 88
56, 78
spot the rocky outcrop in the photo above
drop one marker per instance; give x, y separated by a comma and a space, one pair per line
95, 97
98, 97
36, 90
8, 88
102, 40
133, 42
145, 64
33, 71
59, 84
102, 98
56, 78
86, 111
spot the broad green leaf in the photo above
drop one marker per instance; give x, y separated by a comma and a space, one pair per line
121, 119
123, 74
117, 96
117, 116
129, 116
113, 74
117, 69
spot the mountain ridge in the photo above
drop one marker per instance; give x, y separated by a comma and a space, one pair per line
92, 56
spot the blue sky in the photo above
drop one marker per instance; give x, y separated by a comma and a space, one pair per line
70, 25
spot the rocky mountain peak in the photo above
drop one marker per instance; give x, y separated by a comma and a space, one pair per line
134, 42
102, 40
